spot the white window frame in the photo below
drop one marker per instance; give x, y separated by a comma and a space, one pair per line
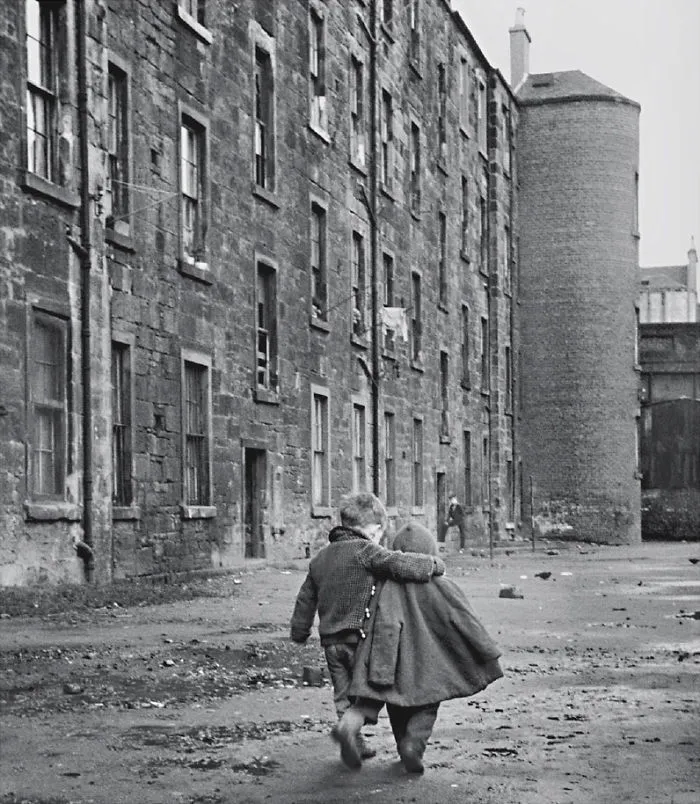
318, 107
320, 438
197, 509
360, 440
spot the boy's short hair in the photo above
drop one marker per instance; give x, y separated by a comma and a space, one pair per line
362, 509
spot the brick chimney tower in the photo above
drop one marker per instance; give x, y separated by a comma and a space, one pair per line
693, 282
519, 50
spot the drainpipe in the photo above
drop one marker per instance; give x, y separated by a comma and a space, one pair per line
491, 306
87, 553
374, 248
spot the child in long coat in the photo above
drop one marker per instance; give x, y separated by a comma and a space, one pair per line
424, 645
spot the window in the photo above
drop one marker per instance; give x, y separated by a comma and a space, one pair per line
49, 405
194, 9
196, 434
481, 115
317, 69
388, 13
266, 376
485, 474
192, 190
121, 425
387, 135
483, 235
389, 334
445, 394
359, 286
466, 379
635, 208
464, 92
118, 145
320, 448
42, 20
264, 121
508, 360
507, 260
414, 190
484, 355
505, 124
359, 448
465, 216
442, 258
389, 460
416, 319
319, 275
468, 497
357, 112
414, 23
417, 463
442, 112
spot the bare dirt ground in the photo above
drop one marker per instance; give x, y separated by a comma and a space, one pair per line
201, 701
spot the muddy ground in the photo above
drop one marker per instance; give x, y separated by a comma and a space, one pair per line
135, 695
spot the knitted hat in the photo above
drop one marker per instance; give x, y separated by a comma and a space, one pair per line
414, 538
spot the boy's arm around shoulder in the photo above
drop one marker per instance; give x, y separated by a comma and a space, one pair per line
400, 566
304, 610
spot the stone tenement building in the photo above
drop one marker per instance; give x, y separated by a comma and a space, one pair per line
253, 256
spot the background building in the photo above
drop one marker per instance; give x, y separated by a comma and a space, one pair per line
669, 293
577, 291
253, 256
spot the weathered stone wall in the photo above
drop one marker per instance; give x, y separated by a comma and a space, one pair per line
578, 270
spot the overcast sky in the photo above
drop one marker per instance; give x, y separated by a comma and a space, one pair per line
649, 50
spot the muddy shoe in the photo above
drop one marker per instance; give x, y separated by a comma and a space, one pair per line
411, 756
346, 732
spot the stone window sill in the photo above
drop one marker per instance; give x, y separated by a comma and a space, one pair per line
417, 365
47, 189
415, 67
417, 510
441, 165
267, 395
321, 133
445, 438
319, 323
360, 340
318, 511
203, 33
196, 270
52, 511
197, 511
442, 305
119, 239
357, 166
268, 196
124, 513
463, 254
385, 190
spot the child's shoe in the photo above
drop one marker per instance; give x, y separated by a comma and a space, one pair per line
366, 751
346, 731
411, 753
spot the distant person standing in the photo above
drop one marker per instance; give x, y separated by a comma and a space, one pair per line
455, 518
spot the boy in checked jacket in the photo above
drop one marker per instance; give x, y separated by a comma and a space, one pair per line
340, 585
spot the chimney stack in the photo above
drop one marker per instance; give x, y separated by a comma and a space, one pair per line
693, 282
519, 50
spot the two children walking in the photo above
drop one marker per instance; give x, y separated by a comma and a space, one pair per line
394, 631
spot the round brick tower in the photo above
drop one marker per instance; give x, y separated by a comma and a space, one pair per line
578, 146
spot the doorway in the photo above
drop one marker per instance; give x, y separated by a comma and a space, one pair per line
254, 501
441, 500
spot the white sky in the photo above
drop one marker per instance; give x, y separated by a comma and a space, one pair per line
649, 50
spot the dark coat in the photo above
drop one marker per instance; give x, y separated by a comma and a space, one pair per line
424, 645
340, 583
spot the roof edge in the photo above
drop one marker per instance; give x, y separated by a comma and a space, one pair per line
589, 96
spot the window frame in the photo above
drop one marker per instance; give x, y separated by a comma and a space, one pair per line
418, 465
359, 297
124, 345
387, 141
414, 172
442, 112
390, 459
468, 467
444, 374
203, 508
482, 114
319, 304
322, 508
195, 265
442, 260
465, 347
416, 319
389, 293
485, 366
50, 319
358, 112
120, 224
359, 443
414, 34
270, 391
264, 146
317, 67
465, 219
